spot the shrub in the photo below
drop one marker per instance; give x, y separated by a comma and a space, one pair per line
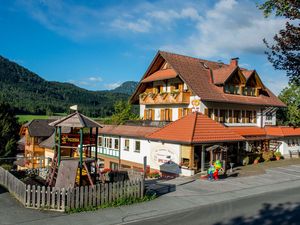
246, 161
154, 174
267, 155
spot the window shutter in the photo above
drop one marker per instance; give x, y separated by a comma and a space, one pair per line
230, 116
152, 114
162, 114
243, 117
170, 115
180, 112
180, 87
145, 114
206, 111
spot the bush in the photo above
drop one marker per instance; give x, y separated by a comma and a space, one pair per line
277, 154
154, 174
268, 155
246, 161
7, 167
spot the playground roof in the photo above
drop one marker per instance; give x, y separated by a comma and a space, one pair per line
77, 120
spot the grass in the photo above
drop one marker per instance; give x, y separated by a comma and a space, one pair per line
117, 203
25, 118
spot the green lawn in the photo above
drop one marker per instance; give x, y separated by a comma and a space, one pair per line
25, 118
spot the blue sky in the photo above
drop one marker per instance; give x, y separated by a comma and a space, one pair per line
99, 44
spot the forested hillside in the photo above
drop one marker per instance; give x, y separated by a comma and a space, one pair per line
31, 94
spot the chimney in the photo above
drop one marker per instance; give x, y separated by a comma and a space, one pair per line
234, 62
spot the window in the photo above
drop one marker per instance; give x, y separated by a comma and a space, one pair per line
137, 146
100, 141
149, 114
269, 116
126, 145
117, 144
232, 89
166, 114
222, 116
248, 117
236, 116
114, 166
108, 143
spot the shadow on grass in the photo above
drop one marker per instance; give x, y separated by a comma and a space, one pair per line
281, 214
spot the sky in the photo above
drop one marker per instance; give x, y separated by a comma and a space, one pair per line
98, 44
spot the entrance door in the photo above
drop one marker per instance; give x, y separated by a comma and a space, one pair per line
197, 158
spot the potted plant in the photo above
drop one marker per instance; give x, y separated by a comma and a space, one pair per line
143, 95
175, 93
277, 155
163, 94
152, 95
256, 160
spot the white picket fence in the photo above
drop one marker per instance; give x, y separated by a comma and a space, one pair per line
41, 197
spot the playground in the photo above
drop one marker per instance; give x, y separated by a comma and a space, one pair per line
72, 178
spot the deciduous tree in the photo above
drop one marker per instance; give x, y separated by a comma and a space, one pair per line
284, 54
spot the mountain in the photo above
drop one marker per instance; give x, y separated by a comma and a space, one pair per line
127, 87
31, 94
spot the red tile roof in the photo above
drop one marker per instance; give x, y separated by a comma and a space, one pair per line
248, 131
247, 73
127, 131
196, 73
282, 131
195, 128
160, 75
222, 74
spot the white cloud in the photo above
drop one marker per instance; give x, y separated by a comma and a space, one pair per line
230, 27
140, 26
95, 79
113, 85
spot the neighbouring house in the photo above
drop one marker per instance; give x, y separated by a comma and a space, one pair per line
212, 110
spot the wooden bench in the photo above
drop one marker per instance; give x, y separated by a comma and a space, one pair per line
294, 153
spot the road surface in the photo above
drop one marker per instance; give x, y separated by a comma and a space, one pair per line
278, 208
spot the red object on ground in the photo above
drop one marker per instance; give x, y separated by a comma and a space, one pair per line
215, 175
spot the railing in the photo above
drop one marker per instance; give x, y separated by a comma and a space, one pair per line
107, 151
165, 98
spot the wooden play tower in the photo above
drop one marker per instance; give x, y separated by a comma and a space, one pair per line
77, 154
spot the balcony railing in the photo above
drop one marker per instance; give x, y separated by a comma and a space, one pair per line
165, 98
107, 151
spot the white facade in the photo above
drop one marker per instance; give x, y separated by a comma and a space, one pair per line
289, 144
164, 157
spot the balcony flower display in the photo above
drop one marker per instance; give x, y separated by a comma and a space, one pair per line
175, 93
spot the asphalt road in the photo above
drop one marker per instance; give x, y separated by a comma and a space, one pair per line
278, 208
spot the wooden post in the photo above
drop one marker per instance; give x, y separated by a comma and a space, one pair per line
145, 166
80, 155
96, 153
202, 157
58, 147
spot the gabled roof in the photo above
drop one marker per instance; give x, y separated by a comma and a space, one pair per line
282, 131
49, 142
39, 127
160, 75
127, 130
75, 119
221, 75
193, 129
197, 74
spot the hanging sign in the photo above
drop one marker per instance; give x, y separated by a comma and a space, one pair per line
74, 139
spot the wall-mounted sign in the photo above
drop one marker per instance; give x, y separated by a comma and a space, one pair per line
165, 159
74, 139
195, 103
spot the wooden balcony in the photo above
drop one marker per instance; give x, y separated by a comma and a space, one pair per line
165, 98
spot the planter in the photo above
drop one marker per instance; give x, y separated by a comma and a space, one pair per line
277, 158
255, 161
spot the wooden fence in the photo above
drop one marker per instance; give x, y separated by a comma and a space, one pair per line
41, 197
13, 184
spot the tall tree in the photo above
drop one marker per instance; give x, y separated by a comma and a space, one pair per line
284, 54
123, 112
291, 114
9, 131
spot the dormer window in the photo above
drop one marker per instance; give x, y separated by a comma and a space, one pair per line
232, 89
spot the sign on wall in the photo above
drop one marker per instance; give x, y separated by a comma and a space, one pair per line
195, 103
165, 158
